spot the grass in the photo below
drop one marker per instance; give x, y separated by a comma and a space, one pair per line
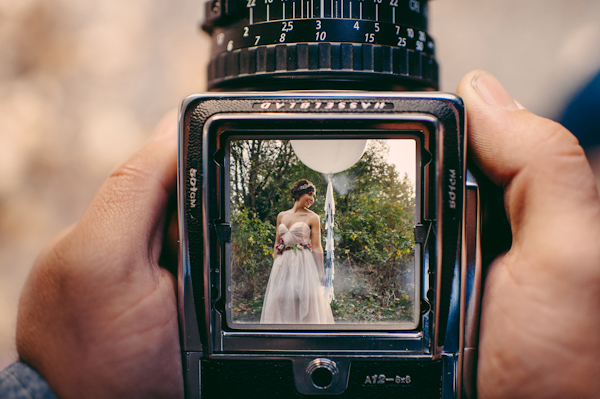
346, 307
357, 308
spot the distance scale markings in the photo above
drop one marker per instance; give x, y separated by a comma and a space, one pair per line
404, 12
323, 30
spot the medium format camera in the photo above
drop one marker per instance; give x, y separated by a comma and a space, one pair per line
329, 228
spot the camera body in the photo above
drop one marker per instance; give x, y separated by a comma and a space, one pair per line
367, 284
405, 299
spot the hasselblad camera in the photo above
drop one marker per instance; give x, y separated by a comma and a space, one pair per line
380, 297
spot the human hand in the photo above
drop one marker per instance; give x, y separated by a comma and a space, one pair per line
540, 329
98, 315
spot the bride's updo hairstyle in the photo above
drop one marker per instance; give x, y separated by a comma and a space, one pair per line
301, 187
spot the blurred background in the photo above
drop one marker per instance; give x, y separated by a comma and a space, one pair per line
83, 83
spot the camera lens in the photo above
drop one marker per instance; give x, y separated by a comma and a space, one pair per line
320, 44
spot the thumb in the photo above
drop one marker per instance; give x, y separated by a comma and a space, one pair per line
548, 184
128, 214
547, 282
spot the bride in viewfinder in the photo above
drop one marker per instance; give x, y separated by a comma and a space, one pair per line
294, 293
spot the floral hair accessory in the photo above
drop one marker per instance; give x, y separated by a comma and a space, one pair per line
305, 186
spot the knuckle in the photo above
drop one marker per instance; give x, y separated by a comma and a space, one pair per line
563, 137
558, 148
57, 266
130, 176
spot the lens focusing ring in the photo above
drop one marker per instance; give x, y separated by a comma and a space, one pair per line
336, 62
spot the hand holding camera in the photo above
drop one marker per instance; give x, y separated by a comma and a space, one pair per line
539, 331
98, 315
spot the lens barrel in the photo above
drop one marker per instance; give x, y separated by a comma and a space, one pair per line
320, 44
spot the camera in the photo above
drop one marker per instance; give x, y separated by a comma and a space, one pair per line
365, 281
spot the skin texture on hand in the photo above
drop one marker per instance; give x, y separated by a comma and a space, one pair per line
98, 315
540, 329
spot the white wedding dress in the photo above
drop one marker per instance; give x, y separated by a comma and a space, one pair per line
294, 294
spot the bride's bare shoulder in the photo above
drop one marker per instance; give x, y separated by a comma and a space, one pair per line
312, 218
282, 215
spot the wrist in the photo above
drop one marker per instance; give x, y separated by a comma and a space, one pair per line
20, 380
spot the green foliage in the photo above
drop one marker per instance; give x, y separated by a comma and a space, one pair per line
252, 246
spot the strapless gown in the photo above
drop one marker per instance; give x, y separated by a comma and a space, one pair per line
294, 294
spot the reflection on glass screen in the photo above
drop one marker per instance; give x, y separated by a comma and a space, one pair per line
369, 257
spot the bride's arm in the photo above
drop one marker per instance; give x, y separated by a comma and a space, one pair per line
277, 238
315, 243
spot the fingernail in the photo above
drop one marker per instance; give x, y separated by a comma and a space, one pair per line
492, 91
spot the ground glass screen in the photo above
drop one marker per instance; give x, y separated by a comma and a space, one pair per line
369, 275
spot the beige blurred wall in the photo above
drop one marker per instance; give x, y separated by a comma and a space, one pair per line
82, 83
542, 50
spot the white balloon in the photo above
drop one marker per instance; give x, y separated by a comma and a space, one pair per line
329, 156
